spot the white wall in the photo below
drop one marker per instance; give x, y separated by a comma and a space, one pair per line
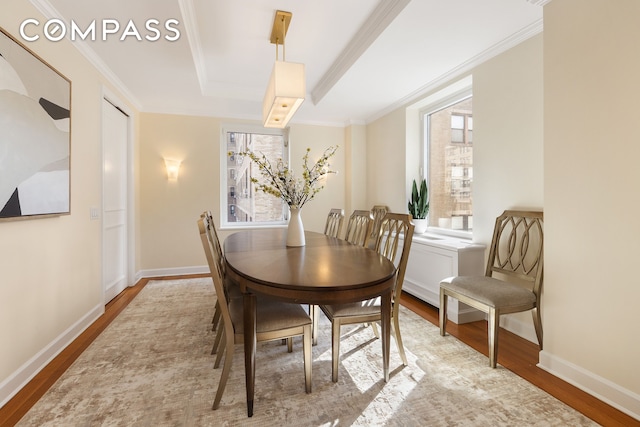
591, 93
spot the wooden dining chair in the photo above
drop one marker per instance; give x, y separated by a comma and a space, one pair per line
359, 227
378, 212
333, 225
358, 232
232, 289
512, 280
394, 228
332, 228
275, 319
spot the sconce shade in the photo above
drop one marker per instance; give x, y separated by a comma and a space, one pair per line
285, 93
173, 167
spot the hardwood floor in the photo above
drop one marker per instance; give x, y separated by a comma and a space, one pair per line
516, 354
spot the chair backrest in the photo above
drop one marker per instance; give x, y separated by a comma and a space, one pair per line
207, 229
516, 249
393, 227
334, 222
378, 212
215, 241
359, 227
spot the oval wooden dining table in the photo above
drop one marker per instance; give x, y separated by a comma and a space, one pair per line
324, 271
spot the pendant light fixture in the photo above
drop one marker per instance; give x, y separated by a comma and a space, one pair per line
287, 88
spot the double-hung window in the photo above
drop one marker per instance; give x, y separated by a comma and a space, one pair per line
241, 205
448, 148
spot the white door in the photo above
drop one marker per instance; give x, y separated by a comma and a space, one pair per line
115, 132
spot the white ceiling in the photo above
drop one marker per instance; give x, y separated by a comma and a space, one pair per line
363, 58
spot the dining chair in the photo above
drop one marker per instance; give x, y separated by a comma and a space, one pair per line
275, 319
332, 228
358, 231
232, 289
359, 227
218, 254
512, 280
394, 243
333, 225
378, 212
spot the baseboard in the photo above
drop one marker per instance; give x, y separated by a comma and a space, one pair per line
525, 330
15, 382
601, 388
176, 271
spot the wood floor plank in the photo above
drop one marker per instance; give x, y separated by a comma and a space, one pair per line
516, 354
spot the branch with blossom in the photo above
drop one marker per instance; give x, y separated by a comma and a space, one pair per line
281, 181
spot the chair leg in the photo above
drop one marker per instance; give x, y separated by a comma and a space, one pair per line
335, 349
226, 369
494, 324
307, 341
314, 312
396, 328
537, 323
374, 326
289, 344
217, 341
223, 344
216, 317
443, 312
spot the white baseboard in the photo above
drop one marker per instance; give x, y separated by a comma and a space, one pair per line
601, 388
176, 271
16, 381
525, 330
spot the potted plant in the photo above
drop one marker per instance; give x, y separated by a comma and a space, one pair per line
419, 206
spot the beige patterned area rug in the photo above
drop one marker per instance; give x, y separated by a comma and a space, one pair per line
152, 367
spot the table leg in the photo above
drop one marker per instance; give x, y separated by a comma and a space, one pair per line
385, 321
249, 306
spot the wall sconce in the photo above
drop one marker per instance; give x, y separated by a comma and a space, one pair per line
173, 167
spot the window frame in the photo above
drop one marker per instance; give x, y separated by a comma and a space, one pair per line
224, 173
438, 104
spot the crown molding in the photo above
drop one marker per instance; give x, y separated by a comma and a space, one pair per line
506, 44
375, 24
191, 26
49, 12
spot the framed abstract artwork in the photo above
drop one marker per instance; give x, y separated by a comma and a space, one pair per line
35, 134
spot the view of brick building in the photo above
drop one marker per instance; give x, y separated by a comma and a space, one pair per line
450, 166
245, 204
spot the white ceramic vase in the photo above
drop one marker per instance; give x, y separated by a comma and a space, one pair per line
295, 232
420, 225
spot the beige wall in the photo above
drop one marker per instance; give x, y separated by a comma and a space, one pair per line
168, 210
591, 70
50, 269
508, 146
386, 162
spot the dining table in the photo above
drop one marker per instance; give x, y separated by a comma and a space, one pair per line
326, 270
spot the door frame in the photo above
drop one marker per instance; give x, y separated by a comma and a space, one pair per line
118, 102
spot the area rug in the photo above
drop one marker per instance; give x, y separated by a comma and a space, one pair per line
152, 367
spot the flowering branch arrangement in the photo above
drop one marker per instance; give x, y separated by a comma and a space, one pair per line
280, 181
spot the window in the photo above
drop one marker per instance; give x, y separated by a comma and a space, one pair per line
448, 144
241, 205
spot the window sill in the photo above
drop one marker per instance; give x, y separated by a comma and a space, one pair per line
443, 241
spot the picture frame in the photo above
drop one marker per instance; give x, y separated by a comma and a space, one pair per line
35, 135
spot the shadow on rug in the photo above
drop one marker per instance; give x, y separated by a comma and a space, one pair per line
152, 367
